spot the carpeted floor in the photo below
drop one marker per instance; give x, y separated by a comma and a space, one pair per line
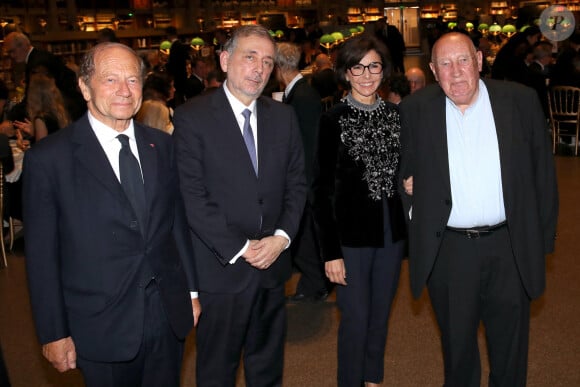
413, 355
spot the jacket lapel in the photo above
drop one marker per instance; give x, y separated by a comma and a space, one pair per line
91, 156
438, 109
148, 160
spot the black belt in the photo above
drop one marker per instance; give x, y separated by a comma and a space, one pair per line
477, 232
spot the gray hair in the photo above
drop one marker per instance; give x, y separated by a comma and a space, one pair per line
287, 56
87, 67
245, 31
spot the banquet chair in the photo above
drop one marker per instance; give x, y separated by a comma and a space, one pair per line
564, 104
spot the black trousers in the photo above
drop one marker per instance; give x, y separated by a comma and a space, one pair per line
477, 280
372, 276
158, 362
306, 257
252, 322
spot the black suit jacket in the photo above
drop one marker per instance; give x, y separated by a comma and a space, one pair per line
87, 260
527, 171
306, 103
226, 203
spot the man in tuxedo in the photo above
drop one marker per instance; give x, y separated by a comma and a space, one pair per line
112, 282
483, 209
241, 171
306, 103
20, 50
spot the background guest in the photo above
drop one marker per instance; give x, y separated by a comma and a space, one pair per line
416, 78
306, 103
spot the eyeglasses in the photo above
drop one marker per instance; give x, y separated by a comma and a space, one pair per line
373, 67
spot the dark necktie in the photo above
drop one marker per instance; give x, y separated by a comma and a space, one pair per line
131, 179
249, 139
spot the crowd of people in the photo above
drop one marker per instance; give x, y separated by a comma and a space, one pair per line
181, 194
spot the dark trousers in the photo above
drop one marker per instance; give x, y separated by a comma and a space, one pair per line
158, 362
372, 276
253, 322
477, 280
306, 257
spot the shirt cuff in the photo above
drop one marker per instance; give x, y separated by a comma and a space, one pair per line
282, 233
240, 253
194, 295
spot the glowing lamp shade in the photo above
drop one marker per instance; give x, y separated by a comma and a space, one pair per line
451, 25
279, 33
337, 36
272, 33
495, 29
360, 28
197, 41
165, 46
508, 29
469, 26
353, 31
483, 27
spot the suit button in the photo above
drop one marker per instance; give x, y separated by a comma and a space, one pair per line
438, 234
260, 201
133, 225
447, 202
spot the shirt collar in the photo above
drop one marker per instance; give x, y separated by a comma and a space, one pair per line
106, 134
237, 106
292, 83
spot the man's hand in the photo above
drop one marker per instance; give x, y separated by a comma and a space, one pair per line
408, 185
335, 271
267, 251
196, 306
251, 251
61, 354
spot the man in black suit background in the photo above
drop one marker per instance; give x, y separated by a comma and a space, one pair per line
110, 266
483, 206
306, 103
393, 39
20, 50
241, 170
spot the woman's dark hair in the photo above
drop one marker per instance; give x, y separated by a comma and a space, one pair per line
398, 83
354, 49
157, 86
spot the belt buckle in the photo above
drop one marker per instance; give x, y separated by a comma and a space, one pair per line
472, 234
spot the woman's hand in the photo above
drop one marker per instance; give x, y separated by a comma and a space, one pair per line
335, 271
24, 126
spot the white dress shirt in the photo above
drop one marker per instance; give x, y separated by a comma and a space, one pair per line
474, 164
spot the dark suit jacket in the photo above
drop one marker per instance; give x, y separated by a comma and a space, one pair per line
527, 171
226, 203
308, 107
87, 260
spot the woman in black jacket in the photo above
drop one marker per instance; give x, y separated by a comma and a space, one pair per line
357, 209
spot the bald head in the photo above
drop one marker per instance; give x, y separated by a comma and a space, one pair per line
17, 45
416, 78
323, 62
456, 65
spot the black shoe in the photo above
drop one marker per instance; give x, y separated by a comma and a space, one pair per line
301, 297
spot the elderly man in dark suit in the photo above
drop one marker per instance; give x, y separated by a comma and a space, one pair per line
110, 263
483, 207
308, 107
242, 178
